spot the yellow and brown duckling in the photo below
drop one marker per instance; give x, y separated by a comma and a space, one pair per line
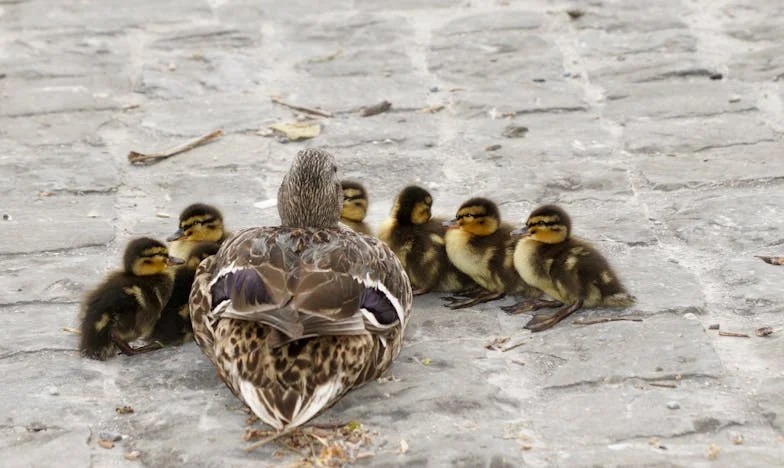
294, 316
355, 206
479, 245
418, 241
198, 223
568, 269
127, 305
174, 327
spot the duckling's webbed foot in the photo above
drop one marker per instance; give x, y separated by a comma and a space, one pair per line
544, 321
484, 296
128, 350
420, 291
530, 305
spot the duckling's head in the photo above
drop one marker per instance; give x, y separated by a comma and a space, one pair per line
145, 256
412, 206
199, 223
548, 224
310, 194
355, 201
477, 216
200, 252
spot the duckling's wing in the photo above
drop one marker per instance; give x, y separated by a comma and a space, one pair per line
307, 283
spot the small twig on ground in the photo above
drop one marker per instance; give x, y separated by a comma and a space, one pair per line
150, 158
736, 335
379, 108
661, 384
72, 330
764, 331
307, 110
511, 347
605, 320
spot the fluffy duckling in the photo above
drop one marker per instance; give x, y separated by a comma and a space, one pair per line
128, 303
294, 316
418, 241
355, 206
479, 245
570, 270
174, 327
198, 223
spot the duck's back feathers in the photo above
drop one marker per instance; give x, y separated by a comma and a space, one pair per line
295, 317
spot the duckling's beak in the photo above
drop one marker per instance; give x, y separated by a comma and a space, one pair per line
175, 261
176, 236
451, 224
520, 232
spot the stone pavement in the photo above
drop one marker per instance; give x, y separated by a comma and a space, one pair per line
658, 125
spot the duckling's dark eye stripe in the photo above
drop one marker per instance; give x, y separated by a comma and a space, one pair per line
356, 197
194, 223
544, 223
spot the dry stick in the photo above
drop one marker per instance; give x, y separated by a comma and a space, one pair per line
379, 108
72, 330
772, 260
308, 110
736, 335
150, 158
605, 320
511, 347
665, 385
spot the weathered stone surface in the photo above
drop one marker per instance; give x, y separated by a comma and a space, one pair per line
673, 175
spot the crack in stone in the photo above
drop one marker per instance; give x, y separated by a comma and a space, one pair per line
699, 430
732, 145
36, 351
613, 380
80, 110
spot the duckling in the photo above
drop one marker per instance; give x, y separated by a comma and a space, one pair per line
355, 205
128, 303
566, 268
294, 316
174, 327
198, 223
418, 241
479, 245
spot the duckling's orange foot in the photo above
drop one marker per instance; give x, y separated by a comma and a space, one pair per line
485, 296
542, 322
530, 306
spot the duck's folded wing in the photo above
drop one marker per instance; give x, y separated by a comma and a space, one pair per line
305, 283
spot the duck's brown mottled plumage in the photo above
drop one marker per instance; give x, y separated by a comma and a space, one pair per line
418, 241
295, 316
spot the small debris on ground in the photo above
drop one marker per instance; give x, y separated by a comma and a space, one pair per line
662, 384
764, 331
575, 13
712, 452
112, 436
497, 343
379, 108
539, 80
143, 159
161, 214
124, 410
605, 320
716, 76
734, 99
6, 217
107, 444
432, 109
738, 439
654, 442
307, 110
387, 379
297, 130
513, 131
172, 66
52, 390
772, 260
45, 193
426, 361
673, 405
72, 330
128, 107
134, 455
513, 346
492, 148
327, 58
733, 334
714, 326
403, 447
35, 427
